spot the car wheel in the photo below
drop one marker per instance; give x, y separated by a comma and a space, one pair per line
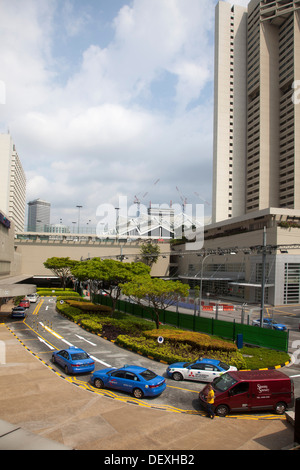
53, 359
98, 383
222, 410
177, 376
66, 369
137, 393
280, 408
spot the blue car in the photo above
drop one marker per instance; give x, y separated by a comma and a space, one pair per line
270, 323
73, 360
202, 370
18, 312
132, 379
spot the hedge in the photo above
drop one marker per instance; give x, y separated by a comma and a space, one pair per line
169, 352
195, 340
89, 306
57, 292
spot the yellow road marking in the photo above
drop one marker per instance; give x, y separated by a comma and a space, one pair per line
37, 308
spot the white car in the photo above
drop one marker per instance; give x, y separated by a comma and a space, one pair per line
203, 370
32, 298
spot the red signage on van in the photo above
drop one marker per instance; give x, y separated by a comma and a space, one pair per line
250, 391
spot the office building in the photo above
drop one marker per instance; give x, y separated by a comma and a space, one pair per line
256, 173
257, 123
12, 183
38, 215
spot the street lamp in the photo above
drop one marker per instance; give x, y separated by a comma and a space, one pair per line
263, 275
201, 276
79, 207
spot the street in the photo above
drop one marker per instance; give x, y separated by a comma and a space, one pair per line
45, 330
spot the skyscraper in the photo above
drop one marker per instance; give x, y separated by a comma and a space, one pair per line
257, 122
38, 215
12, 183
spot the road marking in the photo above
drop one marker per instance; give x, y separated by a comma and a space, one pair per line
295, 375
37, 308
67, 342
81, 337
50, 331
45, 342
101, 362
184, 389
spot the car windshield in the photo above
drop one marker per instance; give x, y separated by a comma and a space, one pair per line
224, 366
148, 374
187, 364
79, 356
224, 382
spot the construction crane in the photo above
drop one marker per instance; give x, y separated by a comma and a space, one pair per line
183, 199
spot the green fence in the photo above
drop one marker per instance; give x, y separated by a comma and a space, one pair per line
254, 335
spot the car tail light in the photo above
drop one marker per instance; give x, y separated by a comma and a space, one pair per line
156, 385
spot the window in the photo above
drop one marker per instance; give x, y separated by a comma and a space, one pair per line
240, 388
292, 283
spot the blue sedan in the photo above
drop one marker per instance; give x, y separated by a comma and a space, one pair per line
202, 370
74, 360
132, 379
270, 323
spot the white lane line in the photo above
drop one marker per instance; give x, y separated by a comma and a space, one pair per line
101, 362
43, 341
67, 342
81, 337
70, 344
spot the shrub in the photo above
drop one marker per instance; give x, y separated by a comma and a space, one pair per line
70, 312
91, 325
196, 340
170, 352
89, 306
61, 293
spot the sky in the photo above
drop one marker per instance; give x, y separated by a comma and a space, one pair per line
110, 99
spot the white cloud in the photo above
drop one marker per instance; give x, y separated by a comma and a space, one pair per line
103, 130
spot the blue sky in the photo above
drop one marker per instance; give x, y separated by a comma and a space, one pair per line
106, 97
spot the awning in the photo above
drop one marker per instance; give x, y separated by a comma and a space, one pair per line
250, 284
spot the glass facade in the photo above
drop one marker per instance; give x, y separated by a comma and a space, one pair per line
292, 283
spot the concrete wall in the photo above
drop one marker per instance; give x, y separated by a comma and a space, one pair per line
34, 253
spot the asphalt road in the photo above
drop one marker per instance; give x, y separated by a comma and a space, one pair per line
44, 330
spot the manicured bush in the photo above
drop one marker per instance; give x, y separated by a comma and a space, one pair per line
170, 352
91, 325
89, 306
195, 340
57, 292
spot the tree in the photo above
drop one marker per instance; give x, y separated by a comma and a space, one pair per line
159, 293
150, 253
108, 274
61, 267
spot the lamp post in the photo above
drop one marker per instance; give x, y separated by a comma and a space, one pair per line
79, 207
201, 276
263, 275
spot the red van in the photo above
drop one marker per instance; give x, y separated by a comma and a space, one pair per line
250, 391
